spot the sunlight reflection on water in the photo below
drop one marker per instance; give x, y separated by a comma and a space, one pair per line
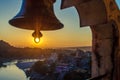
12, 72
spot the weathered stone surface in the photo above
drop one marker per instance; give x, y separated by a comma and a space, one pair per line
102, 50
117, 66
104, 46
118, 18
90, 11
94, 66
70, 3
103, 31
102, 53
106, 37
112, 6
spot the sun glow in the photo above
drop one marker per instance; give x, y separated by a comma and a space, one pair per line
37, 40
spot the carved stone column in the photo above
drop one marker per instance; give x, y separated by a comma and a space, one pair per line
103, 16
102, 51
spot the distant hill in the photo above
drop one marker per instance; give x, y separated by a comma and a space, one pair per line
8, 51
4, 45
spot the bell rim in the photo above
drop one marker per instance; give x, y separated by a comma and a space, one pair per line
14, 20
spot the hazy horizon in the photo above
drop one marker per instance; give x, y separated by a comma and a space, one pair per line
49, 47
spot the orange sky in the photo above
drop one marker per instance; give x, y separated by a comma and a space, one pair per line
71, 35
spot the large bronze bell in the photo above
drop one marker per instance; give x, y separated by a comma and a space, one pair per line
37, 15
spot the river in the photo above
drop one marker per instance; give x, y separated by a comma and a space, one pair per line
9, 71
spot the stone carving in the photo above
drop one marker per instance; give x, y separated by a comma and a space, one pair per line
111, 5
118, 18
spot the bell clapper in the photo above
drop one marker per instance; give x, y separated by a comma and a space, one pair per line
37, 36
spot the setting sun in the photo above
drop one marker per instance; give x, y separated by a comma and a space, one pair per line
37, 40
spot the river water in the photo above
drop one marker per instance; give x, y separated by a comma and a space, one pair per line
11, 72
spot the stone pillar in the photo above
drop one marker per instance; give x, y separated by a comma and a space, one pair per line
114, 14
102, 50
106, 48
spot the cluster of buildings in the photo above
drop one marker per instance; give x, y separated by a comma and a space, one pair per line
63, 66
